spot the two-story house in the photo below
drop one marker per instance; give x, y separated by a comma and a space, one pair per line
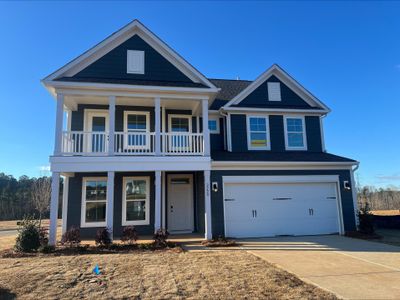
143, 138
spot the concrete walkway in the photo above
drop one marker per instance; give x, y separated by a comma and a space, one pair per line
350, 268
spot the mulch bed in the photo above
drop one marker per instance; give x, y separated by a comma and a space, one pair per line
364, 236
219, 242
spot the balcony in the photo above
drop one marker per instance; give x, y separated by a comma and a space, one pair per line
132, 143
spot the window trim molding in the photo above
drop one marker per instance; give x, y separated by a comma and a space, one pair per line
218, 130
128, 62
249, 147
269, 93
146, 221
85, 224
183, 116
287, 147
134, 112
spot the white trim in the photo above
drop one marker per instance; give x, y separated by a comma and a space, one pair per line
157, 201
216, 119
287, 80
55, 188
110, 203
117, 38
270, 111
290, 179
270, 87
280, 165
267, 133
65, 205
354, 194
207, 206
163, 201
304, 133
129, 60
85, 224
321, 126
182, 116
229, 132
59, 124
134, 112
146, 221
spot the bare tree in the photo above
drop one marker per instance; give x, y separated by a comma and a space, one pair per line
41, 193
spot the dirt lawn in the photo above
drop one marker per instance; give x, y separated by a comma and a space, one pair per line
147, 275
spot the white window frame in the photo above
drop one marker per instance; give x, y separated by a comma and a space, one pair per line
85, 224
216, 131
146, 221
266, 147
189, 117
126, 132
129, 57
270, 87
287, 147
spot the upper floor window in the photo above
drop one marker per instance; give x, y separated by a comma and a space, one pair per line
295, 137
135, 62
274, 91
258, 133
213, 125
136, 127
94, 202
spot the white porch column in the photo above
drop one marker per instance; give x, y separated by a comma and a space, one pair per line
157, 112
111, 126
65, 204
207, 205
59, 124
206, 132
110, 202
157, 213
163, 200
55, 189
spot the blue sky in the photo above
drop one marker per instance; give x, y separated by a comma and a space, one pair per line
346, 53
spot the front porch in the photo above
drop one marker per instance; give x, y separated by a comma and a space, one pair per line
178, 201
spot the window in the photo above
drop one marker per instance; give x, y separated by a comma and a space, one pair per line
135, 62
295, 133
136, 201
213, 125
257, 133
274, 91
94, 202
136, 126
179, 124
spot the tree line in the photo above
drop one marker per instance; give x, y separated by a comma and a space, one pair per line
379, 198
24, 196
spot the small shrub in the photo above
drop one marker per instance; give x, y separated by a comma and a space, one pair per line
28, 238
43, 236
160, 238
129, 235
103, 237
221, 241
366, 219
71, 237
47, 249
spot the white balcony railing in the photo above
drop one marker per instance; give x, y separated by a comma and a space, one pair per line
132, 143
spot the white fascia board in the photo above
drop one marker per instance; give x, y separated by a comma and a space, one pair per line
286, 79
127, 163
234, 110
117, 38
277, 165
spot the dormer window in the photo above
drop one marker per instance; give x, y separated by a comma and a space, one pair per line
274, 91
135, 62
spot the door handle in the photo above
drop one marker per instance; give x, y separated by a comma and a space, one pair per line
172, 208
229, 199
255, 213
311, 211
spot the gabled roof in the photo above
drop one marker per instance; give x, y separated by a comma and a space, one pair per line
229, 88
117, 38
286, 79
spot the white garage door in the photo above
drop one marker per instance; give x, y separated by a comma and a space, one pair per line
273, 209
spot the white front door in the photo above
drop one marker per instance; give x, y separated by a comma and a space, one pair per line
271, 209
96, 128
180, 203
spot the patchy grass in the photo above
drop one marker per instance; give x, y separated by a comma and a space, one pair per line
13, 225
152, 275
393, 212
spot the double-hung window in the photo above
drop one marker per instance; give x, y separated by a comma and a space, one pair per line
258, 133
94, 202
136, 201
295, 133
213, 126
136, 129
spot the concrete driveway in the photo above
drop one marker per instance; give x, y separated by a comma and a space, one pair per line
350, 268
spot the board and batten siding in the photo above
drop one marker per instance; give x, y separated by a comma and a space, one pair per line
217, 201
114, 64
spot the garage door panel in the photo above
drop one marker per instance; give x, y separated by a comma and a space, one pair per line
262, 209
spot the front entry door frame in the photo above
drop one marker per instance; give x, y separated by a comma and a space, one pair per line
188, 226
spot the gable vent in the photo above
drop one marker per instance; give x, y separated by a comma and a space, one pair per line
135, 62
274, 91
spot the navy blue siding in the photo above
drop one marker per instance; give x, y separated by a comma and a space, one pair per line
239, 133
314, 143
217, 203
114, 64
217, 140
259, 97
276, 132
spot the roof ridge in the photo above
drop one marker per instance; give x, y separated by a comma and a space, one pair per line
229, 79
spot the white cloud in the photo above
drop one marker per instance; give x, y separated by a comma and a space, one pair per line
44, 168
393, 177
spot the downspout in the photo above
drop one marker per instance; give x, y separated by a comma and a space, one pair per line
227, 130
355, 200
